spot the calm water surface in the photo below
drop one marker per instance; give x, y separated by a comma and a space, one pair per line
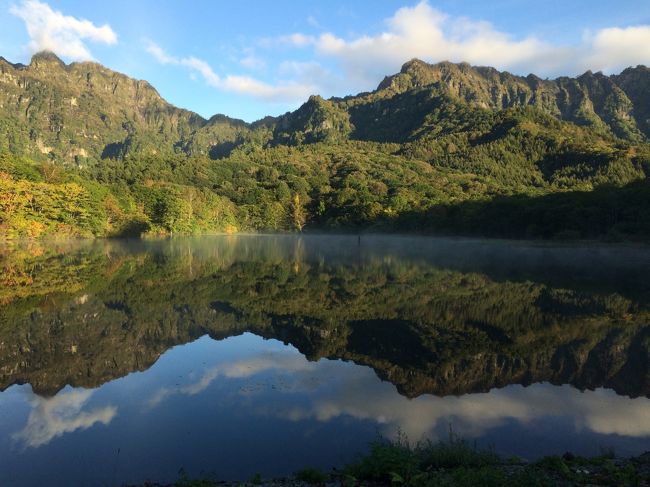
227, 356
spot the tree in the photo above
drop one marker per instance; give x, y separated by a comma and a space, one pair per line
298, 214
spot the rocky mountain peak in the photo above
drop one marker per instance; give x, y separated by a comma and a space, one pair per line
617, 103
46, 59
85, 110
413, 65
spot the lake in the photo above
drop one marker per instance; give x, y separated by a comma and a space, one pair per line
227, 356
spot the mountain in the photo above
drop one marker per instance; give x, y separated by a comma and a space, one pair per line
437, 147
617, 104
84, 110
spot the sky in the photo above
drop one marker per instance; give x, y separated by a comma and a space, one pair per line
252, 58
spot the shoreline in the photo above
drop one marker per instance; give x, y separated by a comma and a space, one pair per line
65, 238
452, 463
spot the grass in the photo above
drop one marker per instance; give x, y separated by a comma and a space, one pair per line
456, 463
453, 462
459, 464
312, 476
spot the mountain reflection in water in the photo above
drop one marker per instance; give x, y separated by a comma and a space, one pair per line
312, 341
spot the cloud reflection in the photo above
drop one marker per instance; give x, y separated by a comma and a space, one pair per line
360, 394
55, 416
600, 411
334, 389
281, 361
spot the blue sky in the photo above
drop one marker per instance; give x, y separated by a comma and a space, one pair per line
248, 59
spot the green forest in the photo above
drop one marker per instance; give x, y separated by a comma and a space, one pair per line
412, 156
489, 189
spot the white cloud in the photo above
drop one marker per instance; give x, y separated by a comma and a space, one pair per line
55, 416
312, 73
421, 31
296, 39
289, 91
313, 21
299, 40
615, 48
424, 32
62, 34
299, 68
203, 69
160, 55
251, 61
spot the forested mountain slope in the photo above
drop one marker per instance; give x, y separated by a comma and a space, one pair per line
436, 148
81, 111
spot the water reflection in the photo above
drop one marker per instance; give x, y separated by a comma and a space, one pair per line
55, 416
334, 389
472, 415
280, 361
319, 341
411, 309
243, 395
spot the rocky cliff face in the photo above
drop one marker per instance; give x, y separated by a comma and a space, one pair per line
84, 110
612, 103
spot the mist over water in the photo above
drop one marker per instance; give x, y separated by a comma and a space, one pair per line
122, 361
